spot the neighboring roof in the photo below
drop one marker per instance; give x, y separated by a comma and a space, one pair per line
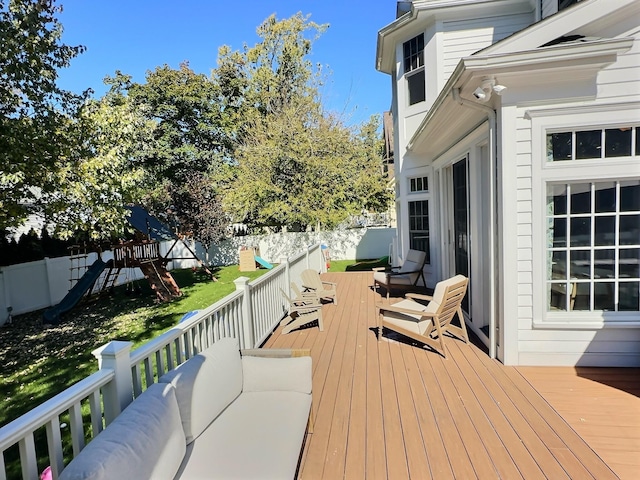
149, 225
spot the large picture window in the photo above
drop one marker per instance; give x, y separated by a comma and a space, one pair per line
413, 52
593, 246
419, 227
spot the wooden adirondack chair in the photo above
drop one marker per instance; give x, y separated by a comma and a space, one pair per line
428, 323
301, 311
312, 282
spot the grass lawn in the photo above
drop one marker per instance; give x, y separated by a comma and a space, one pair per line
40, 361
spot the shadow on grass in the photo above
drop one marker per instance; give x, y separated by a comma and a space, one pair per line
366, 265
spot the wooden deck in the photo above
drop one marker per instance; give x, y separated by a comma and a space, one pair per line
393, 410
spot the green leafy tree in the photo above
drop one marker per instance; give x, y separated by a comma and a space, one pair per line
297, 166
189, 134
34, 111
103, 173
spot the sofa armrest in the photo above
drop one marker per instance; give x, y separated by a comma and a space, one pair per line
263, 374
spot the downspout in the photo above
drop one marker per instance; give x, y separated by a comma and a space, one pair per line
493, 149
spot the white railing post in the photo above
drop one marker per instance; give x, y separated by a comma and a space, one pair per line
242, 283
118, 393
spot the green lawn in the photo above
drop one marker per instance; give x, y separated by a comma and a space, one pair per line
39, 361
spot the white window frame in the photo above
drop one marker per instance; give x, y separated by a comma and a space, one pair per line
544, 173
423, 179
407, 74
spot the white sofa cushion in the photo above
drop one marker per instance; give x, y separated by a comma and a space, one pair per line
145, 441
206, 384
258, 437
276, 374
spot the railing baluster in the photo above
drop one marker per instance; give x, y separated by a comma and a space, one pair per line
75, 428
160, 362
28, 459
54, 445
148, 371
96, 413
137, 379
3, 468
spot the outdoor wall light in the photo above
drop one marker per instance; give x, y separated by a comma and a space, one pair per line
480, 94
488, 85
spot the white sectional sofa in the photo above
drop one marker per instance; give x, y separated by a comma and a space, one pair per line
218, 415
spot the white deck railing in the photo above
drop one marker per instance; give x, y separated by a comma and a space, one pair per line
57, 430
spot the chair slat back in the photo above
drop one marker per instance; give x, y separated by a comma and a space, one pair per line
451, 295
311, 278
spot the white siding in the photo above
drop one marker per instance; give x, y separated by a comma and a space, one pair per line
621, 81
463, 37
549, 7
547, 344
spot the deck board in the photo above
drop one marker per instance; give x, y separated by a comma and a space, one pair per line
392, 409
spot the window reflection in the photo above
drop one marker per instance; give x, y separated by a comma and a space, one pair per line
589, 144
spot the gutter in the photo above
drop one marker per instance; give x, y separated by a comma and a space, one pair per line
493, 163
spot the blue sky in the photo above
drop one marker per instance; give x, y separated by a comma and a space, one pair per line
135, 36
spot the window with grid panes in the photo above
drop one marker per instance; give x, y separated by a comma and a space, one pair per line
419, 227
413, 52
593, 246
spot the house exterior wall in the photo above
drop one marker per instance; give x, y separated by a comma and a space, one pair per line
549, 7
544, 96
577, 337
461, 38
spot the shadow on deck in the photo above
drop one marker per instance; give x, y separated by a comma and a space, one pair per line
391, 409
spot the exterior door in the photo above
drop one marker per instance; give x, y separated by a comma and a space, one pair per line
460, 222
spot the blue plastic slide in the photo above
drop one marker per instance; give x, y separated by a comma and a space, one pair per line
52, 315
263, 262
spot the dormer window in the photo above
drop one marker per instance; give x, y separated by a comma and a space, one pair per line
414, 69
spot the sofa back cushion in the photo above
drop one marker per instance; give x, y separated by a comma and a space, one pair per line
206, 384
276, 374
145, 441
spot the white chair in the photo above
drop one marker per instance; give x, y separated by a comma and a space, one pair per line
405, 276
428, 323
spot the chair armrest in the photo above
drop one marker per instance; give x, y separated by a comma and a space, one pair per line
419, 296
392, 273
391, 308
384, 269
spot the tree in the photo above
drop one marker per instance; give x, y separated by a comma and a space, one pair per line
103, 173
189, 134
297, 173
199, 211
297, 165
34, 111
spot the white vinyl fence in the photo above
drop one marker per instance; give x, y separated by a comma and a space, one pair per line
37, 285
36, 440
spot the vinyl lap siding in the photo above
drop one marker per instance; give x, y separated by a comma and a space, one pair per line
465, 37
549, 7
524, 211
619, 82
